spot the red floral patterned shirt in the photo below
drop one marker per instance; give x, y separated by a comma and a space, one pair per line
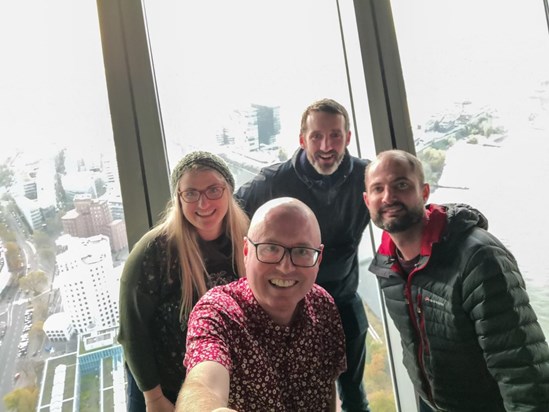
272, 367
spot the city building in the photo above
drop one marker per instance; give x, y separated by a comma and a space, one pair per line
254, 127
92, 378
77, 183
58, 327
115, 203
85, 273
91, 217
31, 211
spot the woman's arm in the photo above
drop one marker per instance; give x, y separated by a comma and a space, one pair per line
136, 313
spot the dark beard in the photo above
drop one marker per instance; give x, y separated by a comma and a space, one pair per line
405, 222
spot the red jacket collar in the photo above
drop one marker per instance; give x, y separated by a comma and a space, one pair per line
432, 233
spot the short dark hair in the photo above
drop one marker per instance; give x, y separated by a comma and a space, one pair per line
413, 162
327, 106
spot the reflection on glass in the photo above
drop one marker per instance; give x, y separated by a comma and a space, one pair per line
479, 100
62, 231
236, 81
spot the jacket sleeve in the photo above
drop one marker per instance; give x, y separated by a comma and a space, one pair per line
254, 193
136, 314
513, 343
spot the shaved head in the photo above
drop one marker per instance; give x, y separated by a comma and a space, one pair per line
279, 286
397, 155
283, 208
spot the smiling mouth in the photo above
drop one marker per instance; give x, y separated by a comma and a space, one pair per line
329, 156
281, 283
206, 213
392, 209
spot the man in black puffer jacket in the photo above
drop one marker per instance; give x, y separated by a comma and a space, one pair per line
324, 176
470, 338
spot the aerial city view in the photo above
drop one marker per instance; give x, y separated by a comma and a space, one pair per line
64, 244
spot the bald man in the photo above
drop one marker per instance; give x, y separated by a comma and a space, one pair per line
272, 340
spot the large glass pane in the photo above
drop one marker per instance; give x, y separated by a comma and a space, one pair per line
62, 230
234, 77
477, 81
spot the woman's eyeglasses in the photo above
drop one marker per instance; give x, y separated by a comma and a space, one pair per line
193, 196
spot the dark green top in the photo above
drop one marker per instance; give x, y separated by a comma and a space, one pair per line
151, 333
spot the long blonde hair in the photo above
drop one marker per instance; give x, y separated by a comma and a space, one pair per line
182, 237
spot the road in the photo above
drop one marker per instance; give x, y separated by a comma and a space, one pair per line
13, 313
13, 304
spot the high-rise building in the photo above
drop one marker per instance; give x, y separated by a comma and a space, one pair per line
252, 127
85, 272
92, 217
267, 122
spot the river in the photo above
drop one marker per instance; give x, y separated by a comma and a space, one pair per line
507, 182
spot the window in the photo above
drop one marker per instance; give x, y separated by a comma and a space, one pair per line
55, 126
236, 81
479, 102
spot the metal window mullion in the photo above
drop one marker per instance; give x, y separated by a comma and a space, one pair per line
383, 74
135, 114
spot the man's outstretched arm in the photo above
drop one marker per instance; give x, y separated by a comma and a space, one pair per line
206, 388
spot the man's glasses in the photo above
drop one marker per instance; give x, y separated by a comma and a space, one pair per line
273, 253
193, 196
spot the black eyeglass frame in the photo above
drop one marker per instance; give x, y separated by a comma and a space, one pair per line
202, 192
286, 249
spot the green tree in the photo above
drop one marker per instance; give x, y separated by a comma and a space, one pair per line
42, 239
377, 374
35, 281
22, 399
433, 161
60, 194
382, 401
40, 306
13, 256
45, 246
60, 162
37, 330
6, 234
54, 226
100, 187
6, 176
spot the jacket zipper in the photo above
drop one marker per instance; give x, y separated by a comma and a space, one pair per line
419, 326
422, 334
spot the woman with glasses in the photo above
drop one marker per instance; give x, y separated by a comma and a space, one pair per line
197, 245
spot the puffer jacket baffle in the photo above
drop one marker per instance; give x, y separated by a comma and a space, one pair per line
470, 339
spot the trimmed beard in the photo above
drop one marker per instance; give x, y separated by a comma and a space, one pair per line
412, 217
328, 171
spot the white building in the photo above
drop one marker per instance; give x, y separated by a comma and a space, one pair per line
58, 327
45, 184
79, 183
85, 272
31, 211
